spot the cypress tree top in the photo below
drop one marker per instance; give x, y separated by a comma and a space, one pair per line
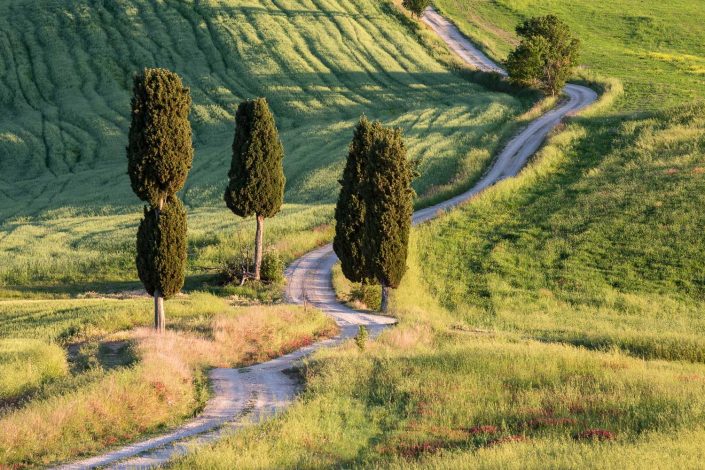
256, 174
160, 152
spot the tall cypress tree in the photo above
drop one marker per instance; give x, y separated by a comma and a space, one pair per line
373, 214
389, 210
351, 210
160, 154
256, 185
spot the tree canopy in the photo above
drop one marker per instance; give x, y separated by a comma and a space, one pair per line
256, 184
160, 151
546, 56
375, 206
161, 248
416, 7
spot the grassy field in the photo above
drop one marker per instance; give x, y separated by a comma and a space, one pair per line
655, 48
556, 321
82, 375
65, 82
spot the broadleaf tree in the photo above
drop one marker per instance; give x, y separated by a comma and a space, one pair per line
375, 207
546, 56
416, 7
256, 176
160, 155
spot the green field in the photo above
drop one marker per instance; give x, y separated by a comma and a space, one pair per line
655, 48
557, 307
565, 301
68, 214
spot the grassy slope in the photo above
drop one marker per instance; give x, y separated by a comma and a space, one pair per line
656, 48
597, 245
65, 78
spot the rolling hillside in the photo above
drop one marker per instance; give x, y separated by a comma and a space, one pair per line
65, 84
655, 48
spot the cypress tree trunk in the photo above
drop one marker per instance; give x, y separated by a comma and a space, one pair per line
258, 246
385, 299
159, 315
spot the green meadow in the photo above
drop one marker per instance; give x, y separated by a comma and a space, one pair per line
68, 214
655, 48
555, 321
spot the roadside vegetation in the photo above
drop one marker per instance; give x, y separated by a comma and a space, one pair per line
80, 376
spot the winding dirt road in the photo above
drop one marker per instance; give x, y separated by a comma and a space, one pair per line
243, 396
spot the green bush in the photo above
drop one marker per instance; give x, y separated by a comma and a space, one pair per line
272, 268
361, 337
368, 294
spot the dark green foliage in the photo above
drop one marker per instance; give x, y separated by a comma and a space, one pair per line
373, 214
368, 294
256, 173
161, 248
390, 207
416, 7
546, 56
160, 151
351, 210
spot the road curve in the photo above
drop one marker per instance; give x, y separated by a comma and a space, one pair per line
243, 396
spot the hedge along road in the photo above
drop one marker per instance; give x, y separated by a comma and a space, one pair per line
245, 396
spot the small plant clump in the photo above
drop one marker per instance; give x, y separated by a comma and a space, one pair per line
367, 294
595, 435
237, 269
361, 337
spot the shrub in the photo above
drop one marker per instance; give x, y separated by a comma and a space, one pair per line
416, 7
361, 337
368, 294
272, 270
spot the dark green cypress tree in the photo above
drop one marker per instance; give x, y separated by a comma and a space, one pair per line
160, 154
373, 214
160, 151
256, 185
161, 248
389, 210
351, 210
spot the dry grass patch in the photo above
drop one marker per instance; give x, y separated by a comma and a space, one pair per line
164, 387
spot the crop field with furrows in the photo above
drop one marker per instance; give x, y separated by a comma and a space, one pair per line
66, 72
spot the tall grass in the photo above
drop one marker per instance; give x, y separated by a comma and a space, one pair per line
102, 406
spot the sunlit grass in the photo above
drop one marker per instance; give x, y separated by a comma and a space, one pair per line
54, 414
68, 214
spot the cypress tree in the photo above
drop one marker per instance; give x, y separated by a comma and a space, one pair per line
159, 155
256, 185
389, 210
161, 248
351, 210
374, 209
